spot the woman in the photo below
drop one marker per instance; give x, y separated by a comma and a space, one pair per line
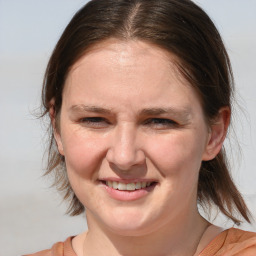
139, 95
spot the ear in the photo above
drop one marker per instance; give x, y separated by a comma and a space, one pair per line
217, 134
55, 126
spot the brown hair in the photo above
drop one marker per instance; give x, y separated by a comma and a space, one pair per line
178, 26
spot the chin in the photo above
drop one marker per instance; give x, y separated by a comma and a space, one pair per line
129, 223
130, 230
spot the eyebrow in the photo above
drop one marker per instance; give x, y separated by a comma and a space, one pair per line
94, 109
184, 113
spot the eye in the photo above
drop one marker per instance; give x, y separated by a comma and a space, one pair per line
160, 123
94, 122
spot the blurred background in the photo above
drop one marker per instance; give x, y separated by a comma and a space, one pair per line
32, 216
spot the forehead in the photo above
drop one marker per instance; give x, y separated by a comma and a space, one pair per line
129, 55
130, 73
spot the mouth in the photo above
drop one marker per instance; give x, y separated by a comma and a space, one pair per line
124, 190
132, 186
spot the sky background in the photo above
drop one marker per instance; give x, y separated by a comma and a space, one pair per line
31, 214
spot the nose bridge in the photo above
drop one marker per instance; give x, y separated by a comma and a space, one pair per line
125, 150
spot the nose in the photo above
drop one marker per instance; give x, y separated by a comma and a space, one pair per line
124, 151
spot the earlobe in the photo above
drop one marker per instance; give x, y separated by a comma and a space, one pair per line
56, 130
58, 140
217, 134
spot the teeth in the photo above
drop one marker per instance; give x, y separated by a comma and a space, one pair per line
121, 186
130, 186
138, 185
115, 184
109, 184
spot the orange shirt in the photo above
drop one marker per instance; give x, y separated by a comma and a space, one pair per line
231, 242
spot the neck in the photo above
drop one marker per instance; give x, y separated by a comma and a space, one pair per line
177, 238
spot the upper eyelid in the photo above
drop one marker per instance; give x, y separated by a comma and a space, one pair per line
78, 113
165, 122
94, 122
94, 118
160, 118
100, 118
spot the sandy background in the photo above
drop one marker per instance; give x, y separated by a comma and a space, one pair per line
31, 215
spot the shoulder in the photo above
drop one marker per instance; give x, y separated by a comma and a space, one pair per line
58, 249
232, 242
238, 235
240, 241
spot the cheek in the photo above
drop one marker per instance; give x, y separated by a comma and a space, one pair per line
174, 155
83, 154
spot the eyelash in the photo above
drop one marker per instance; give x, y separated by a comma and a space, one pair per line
100, 122
163, 122
95, 122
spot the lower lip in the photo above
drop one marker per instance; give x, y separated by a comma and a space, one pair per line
124, 195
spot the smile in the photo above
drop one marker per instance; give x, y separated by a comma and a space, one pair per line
128, 186
123, 191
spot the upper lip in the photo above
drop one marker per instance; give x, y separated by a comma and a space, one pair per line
126, 181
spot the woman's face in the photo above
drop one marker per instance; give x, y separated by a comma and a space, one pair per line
133, 134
